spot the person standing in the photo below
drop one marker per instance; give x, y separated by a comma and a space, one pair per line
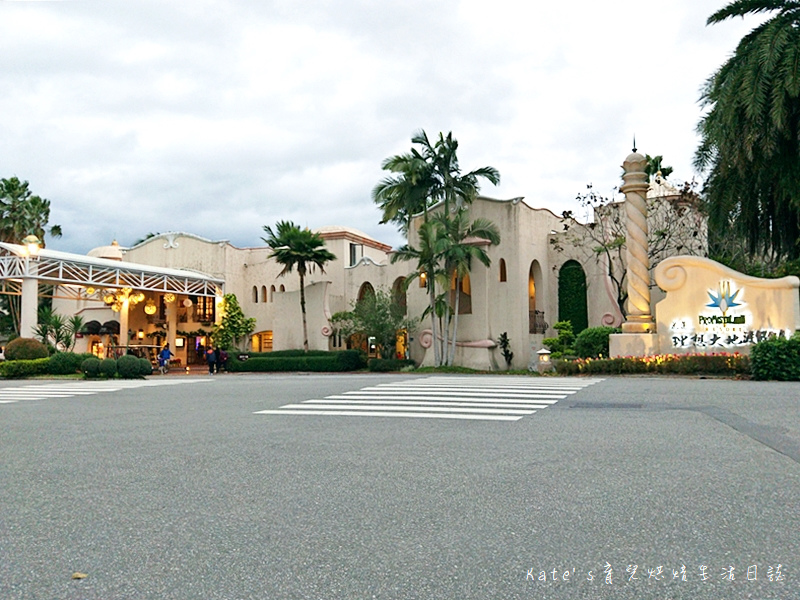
163, 359
211, 358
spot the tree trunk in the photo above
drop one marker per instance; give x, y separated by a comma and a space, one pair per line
303, 310
432, 297
452, 358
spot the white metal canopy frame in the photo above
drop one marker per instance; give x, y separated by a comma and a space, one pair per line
62, 268
21, 270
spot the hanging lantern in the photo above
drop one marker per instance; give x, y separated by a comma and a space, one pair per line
150, 308
169, 297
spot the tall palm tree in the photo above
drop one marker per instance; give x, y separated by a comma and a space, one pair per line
407, 193
449, 184
427, 259
22, 213
462, 243
750, 145
298, 248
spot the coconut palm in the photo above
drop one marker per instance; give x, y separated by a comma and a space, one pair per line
750, 145
297, 248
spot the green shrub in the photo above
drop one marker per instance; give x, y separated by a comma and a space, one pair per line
91, 366
108, 367
561, 345
26, 349
593, 342
66, 363
386, 365
317, 361
776, 358
145, 367
351, 360
14, 369
128, 367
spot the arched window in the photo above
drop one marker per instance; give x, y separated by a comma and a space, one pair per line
263, 293
255, 294
283, 288
503, 275
399, 293
366, 288
272, 293
572, 296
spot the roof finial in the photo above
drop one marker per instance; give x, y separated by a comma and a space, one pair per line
634, 142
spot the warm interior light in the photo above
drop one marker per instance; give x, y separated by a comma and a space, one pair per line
140, 334
32, 244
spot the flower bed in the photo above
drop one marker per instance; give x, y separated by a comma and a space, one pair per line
721, 363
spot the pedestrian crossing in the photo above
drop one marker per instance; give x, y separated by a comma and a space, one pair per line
486, 398
72, 389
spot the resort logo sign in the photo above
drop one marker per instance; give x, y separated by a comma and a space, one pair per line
724, 300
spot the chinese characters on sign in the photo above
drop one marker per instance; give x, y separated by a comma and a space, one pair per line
723, 331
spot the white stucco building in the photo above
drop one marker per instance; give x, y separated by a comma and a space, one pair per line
522, 293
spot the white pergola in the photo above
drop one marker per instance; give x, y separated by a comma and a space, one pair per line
22, 270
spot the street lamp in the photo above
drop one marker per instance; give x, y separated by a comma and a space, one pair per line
32, 244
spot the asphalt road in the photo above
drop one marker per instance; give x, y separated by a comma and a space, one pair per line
184, 492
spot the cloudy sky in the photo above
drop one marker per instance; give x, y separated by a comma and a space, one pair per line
217, 117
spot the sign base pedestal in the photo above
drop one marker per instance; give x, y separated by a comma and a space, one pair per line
633, 344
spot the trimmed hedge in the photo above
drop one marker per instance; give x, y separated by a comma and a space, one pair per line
128, 367
23, 368
776, 358
26, 349
66, 363
282, 353
318, 361
108, 367
145, 367
387, 365
593, 342
91, 366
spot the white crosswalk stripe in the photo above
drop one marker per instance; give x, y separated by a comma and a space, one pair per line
25, 393
488, 398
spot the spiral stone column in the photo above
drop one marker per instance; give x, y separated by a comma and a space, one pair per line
638, 337
635, 188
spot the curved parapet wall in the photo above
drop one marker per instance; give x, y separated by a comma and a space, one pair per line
712, 308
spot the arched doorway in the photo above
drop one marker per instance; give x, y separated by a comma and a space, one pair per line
536, 322
572, 296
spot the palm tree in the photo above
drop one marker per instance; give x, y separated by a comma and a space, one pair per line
448, 182
298, 248
402, 196
427, 259
750, 145
22, 213
462, 243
